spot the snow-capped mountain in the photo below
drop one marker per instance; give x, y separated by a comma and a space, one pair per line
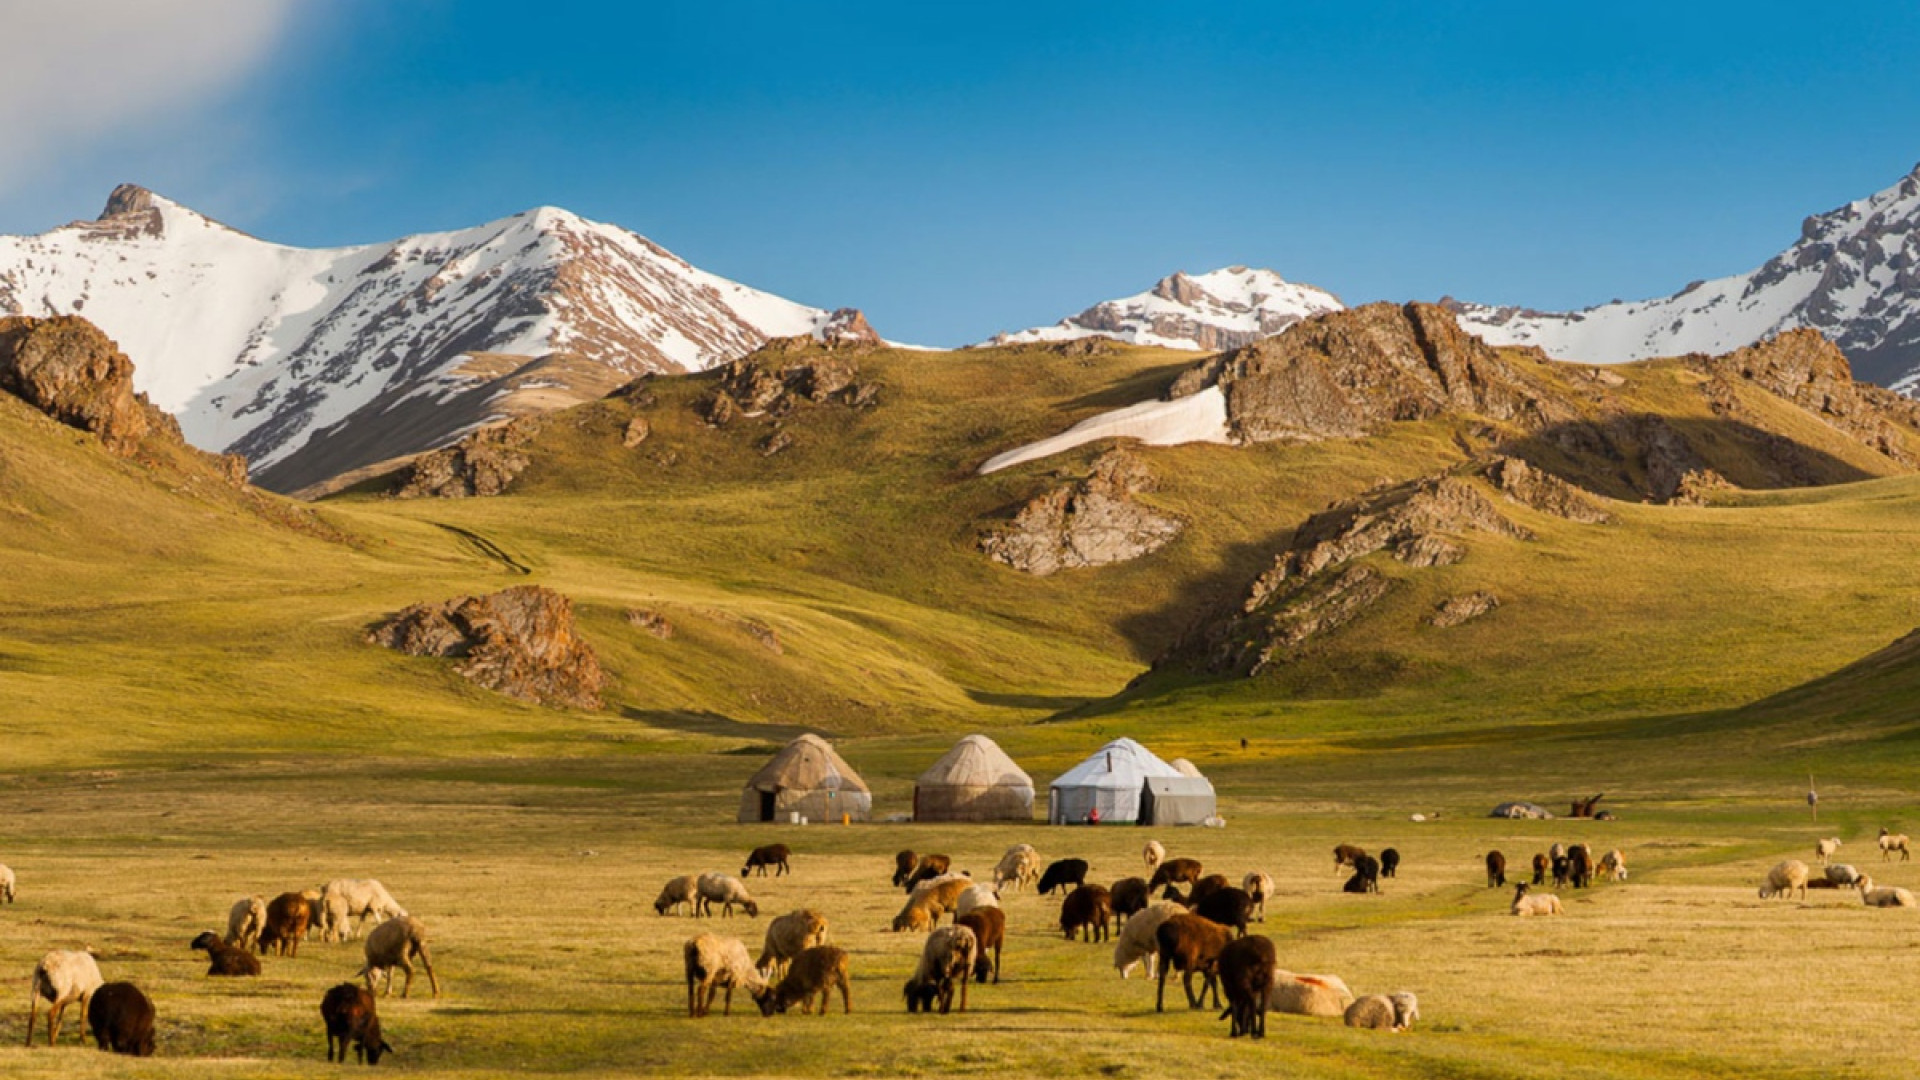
1210, 312
316, 362
1854, 276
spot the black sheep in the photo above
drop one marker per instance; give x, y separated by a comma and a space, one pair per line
1062, 873
1366, 876
1562, 870
1496, 870
349, 1015
122, 1019
1580, 865
1247, 969
1228, 907
1389, 862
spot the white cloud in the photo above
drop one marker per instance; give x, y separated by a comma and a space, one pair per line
74, 73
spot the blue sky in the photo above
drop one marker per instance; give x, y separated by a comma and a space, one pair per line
960, 169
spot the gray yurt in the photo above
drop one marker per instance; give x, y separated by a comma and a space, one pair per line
807, 778
974, 781
1176, 800
1110, 781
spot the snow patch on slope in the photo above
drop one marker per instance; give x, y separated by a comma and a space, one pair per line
1200, 417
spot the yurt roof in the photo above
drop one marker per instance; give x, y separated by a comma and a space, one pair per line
808, 762
1121, 761
1185, 768
975, 761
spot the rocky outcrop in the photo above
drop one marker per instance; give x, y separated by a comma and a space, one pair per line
1805, 368
652, 622
484, 463
520, 642
1460, 609
847, 327
1544, 492
1091, 522
777, 378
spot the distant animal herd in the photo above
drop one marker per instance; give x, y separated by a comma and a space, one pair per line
1202, 932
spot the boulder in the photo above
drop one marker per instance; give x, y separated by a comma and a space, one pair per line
483, 463
1091, 522
68, 369
520, 642
1544, 492
1459, 609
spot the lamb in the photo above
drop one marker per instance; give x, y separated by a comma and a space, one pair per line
1525, 904
343, 899
1891, 842
396, 943
787, 937
1228, 907
288, 917
1247, 968
1154, 853
225, 959
1129, 895
1366, 875
1382, 1012
989, 926
1344, 854
774, 855
816, 971
61, 978
1843, 874
904, 863
1175, 870
348, 1013
681, 890
6, 883
1540, 865
1087, 909
245, 920
1258, 886
1390, 862
1614, 865
928, 868
1019, 867
1824, 849
1784, 878
975, 897
1496, 870
718, 963
1883, 897
1580, 865
725, 891
1061, 873
1137, 940
1309, 995
1190, 944
122, 1019
947, 956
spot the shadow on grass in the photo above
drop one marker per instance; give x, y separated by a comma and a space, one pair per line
714, 724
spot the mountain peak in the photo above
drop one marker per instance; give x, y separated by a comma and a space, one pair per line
127, 199
1216, 310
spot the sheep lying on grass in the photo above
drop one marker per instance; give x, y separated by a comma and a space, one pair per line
122, 1019
1395, 1012
1525, 904
1843, 874
816, 971
1877, 896
396, 943
1019, 867
947, 957
1785, 878
1310, 995
679, 891
1247, 970
225, 959
718, 963
787, 937
1138, 940
348, 1013
725, 891
61, 978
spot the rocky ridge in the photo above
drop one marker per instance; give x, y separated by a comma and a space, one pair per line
520, 642
1222, 309
1094, 521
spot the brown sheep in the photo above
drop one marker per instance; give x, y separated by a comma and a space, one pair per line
816, 971
1229, 907
288, 917
989, 926
224, 958
903, 866
122, 1019
775, 855
1173, 871
1204, 888
1540, 866
1189, 944
928, 868
1088, 910
397, 943
1246, 974
947, 957
1129, 895
348, 1013
1496, 870
1345, 854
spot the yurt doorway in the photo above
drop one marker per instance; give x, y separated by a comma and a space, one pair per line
766, 805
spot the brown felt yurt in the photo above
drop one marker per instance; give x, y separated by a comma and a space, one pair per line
807, 778
974, 781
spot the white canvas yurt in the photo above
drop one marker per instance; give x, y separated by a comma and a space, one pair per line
974, 781
1109, 781
808, 778
1184, 767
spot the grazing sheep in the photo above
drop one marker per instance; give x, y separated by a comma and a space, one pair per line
681, 890
775, 855
1019, 867
396, 943
1406, 1009
718, 963
975, 897
1496, 870
1614, 865
288, 917
1381, 1012
1823, 849
787, 937
348, 1013
1784, 878
904, 863
1129, 895
1174, 871
920, 915
928, 868
1228, 907
1087, 910
1525, 904
1201, 889
6, 883
1580, 865
1540, 866
344, 899
122, 1019
1874, 896
1843, 874
1258, 886
1390, 862
1247, 968
245, 920
816, 971
1190, 944
316, 912
725, 891
1557, 851
225, 959
989, 926
1154, 853
61, 978
1366, 875
1344, 854
1061, 873
1562, 871
947, 957
1138, 940
1891, 842
1309, 995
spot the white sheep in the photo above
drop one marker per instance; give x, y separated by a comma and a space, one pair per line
345, 899
1137, 939
6, 883
1020, 866
1154, 853
1824, 849
787, 937
946, 958
1843, 874
245, 920
1309, 995
720, 963
1887, 896
1258, 886
1614, 865
1784, 878
396, 943
680, 890
1406, 1009
974, 897
725, 891
1374, 1012
1526, 903
61, 978
1891, 842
